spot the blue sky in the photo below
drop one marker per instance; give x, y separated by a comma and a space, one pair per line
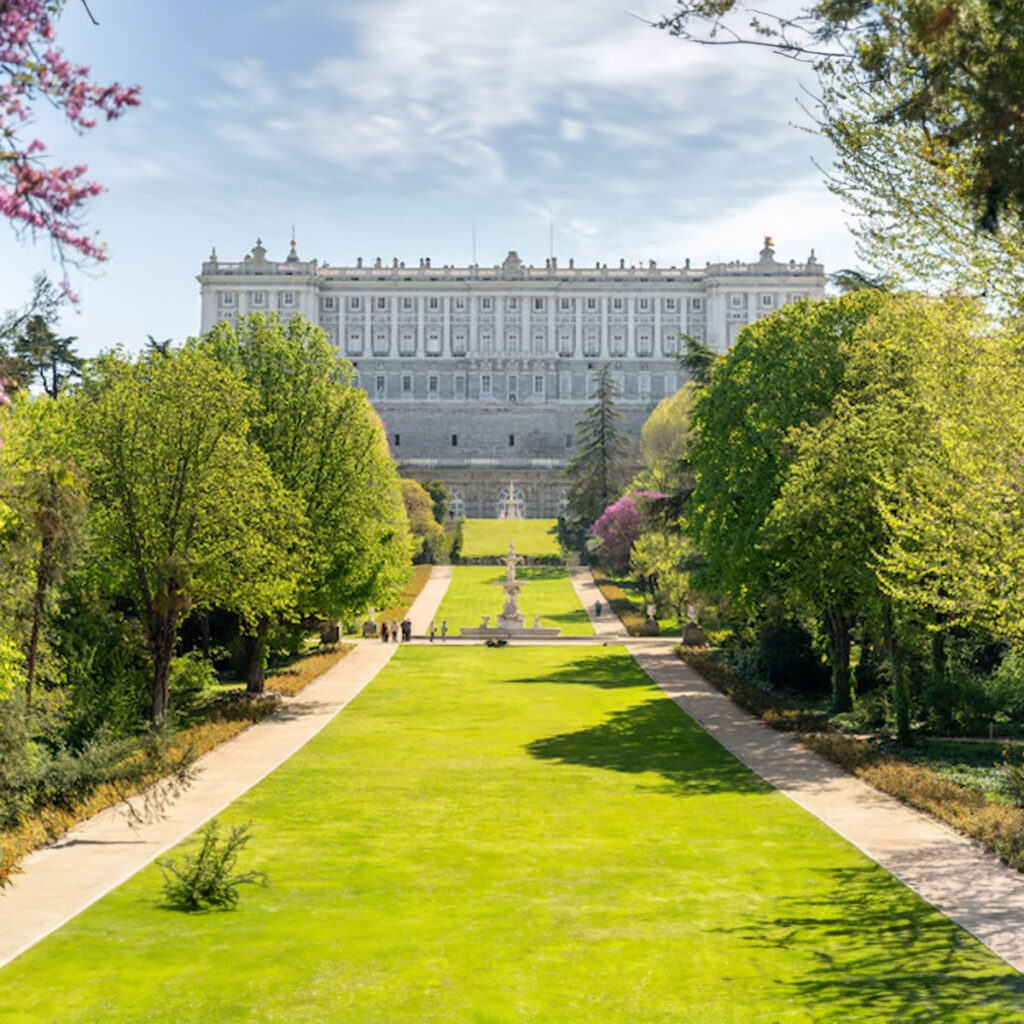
389, 127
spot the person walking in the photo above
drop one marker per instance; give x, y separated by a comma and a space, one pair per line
433, 630
597, 609
383, 631
444, 631
394, 631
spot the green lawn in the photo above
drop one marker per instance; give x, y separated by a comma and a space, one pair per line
487, 538
476, 592
520, 835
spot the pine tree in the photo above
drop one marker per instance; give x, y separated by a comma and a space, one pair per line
600, 468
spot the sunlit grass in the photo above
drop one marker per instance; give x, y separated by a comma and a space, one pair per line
487, 538
548, 592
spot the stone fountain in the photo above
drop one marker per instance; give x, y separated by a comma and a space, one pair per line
510, 622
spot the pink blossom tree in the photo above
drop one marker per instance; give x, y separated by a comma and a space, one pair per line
35, 195
619, 526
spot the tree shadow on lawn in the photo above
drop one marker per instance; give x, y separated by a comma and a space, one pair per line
654, 736
879, 953
607, 673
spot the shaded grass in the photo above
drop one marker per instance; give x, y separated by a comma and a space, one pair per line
521, 835
476, 591
489, 538
629, 602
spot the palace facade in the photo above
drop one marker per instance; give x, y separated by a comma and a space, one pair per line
481, 373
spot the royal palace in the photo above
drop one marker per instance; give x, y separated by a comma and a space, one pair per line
481, 373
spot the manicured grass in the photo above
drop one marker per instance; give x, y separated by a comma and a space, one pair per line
488, 538
520, 835
476, 592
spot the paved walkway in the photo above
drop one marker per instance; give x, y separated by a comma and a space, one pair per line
62, 880
952, 873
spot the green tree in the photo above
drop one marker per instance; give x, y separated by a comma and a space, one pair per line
426, 531
326, 446
184, 510
46, 495
783, 373
47, 358
599, 469
665, 440
949, 73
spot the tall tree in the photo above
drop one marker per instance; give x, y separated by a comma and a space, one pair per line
948, 72
185, 512
783, 373
46, 494
599, 469
326, 446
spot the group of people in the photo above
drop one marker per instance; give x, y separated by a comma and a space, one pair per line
391, 630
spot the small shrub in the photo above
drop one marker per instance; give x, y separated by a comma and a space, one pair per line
1013, 767
192, 676
208, 878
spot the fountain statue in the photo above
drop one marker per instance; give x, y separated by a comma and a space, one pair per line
511, 622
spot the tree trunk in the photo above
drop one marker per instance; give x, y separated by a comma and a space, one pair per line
44, 579
256, 656
162, 635
898, 670
837, 628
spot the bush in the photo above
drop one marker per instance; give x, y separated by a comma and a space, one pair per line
789, 660
192, 676
208, 877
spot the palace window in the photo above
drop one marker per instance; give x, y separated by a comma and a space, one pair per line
670, 305
460, 386
407, 305
591, 304
538, 305
398, 440
380, 385
433, 386
434, 341
381, 341
355, 303
288, 299
407, 342
259, 298
767, 301
617, 304
227, 298
696, 305
643, 305
382, 303
513, 388
460, 304
455, 440
328, 302
511, 440
565, 305
354, 346
644, 343
591, 342
737, 301
486, 304
459, 342
566, 341
643, 385
565, 392
617, 343
486, 386
434, 303
538, 385
407, 385
670, 343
